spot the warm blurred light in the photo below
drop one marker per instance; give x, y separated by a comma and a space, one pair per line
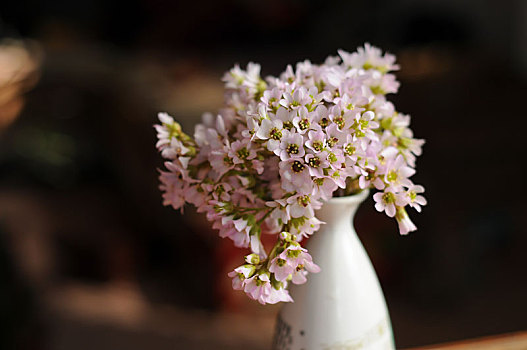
19, 68
425, 62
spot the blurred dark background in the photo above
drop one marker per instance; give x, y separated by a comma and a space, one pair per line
89, 258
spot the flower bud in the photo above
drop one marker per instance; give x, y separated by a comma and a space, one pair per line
252, 259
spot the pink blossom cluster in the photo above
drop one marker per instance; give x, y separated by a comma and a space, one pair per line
282, 146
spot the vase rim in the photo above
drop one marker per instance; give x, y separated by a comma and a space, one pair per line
354, 198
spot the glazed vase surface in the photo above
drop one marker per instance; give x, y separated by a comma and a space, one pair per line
342, 307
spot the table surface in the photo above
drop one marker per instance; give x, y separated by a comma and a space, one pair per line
98, 317
512, 341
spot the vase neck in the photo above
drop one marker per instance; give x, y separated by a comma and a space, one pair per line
341, 208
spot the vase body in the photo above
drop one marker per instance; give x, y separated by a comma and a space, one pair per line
342, 307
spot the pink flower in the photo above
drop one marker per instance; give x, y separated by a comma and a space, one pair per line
410, 147
352, 102
251, 130
272, 97
298, 263
173, 149
368, 178
274, 223
307, 227
367, 58
405, 224
338, 177
226, 228
291, 146
164, 131
324, 188
397, 173
352, 148
257, 246
414, 199
295, 99
240, 274
302, 121
385, 201
389, 84
220, 160
205, 136
335, 76
364, 123
241, 151
317, 163
237, 78
273, 132
259, 288
179, 166
335, 158
317, 139
300, 205
221, 192
335, 136
278, 295
173, 187
343, 120
194, 196
295, 176
288, 76
282, 268
286, 117
321, 117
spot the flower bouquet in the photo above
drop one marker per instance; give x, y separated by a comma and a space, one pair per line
280, 148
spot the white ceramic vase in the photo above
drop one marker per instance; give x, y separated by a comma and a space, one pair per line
342, 307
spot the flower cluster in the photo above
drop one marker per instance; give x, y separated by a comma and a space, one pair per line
282, 146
